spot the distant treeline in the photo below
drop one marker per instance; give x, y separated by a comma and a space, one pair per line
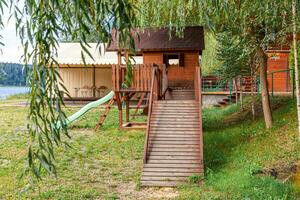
12, 74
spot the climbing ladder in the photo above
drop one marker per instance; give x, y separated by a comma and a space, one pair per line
104, 115
173, 146
141, 104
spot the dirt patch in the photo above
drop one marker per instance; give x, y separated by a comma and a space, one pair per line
283, 173
246, 112
130, 191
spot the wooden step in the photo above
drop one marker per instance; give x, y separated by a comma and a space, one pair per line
163, 149
176, 166
172, 105
168, 109
175, 114
153, 135
175, 161
178, 170
176, 134
166, 174
173, 142
172, 157
174, 138
174, 126
157, 128
172, 116
175, 145
176, 102
173, 120
175, 108
166, 153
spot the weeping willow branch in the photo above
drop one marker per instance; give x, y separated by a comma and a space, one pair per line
40, 24
3, 5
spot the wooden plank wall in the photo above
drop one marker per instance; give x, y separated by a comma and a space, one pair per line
177, 76
281, 80
81, 77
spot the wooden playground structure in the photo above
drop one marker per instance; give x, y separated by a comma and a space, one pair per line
169, 82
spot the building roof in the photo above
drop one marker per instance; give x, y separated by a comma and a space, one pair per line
153, 39
70, 54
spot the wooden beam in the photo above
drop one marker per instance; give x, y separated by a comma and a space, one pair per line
119, 104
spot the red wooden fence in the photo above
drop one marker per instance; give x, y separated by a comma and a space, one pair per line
141, 78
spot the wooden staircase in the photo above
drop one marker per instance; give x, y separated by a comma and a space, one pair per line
175, 143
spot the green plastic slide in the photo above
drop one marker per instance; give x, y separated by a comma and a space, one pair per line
86, 108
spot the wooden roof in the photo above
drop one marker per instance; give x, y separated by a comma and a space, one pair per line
153, 39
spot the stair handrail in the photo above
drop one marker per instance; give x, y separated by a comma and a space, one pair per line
197, 84
198, 97
154, 71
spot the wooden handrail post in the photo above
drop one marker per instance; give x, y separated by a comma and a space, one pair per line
149, 114
198, 97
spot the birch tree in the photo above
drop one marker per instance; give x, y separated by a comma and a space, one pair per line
296, 68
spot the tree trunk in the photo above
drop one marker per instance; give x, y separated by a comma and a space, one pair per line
235, 90
296, 63
263, 61
241, 92
253, 89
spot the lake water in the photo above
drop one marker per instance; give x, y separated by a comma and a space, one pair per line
6, 91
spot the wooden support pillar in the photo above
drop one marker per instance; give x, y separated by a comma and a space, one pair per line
126, 57
120, 117
119, 104
119, 58
94, 81
127, 108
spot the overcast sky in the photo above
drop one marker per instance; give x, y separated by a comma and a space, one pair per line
12, 50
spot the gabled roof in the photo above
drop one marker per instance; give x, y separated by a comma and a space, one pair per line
153, 39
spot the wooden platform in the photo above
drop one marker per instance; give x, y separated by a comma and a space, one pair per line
175, 142
185, 94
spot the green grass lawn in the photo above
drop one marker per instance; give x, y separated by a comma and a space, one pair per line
106, 164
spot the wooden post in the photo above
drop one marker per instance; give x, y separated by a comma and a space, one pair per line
120, 117
126, 57
241, 91
235, 90
119, 58
94, 81
119, 104
127, 108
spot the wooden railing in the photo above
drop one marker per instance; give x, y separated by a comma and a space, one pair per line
154, 95
197, 84
198, 97
141, 78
